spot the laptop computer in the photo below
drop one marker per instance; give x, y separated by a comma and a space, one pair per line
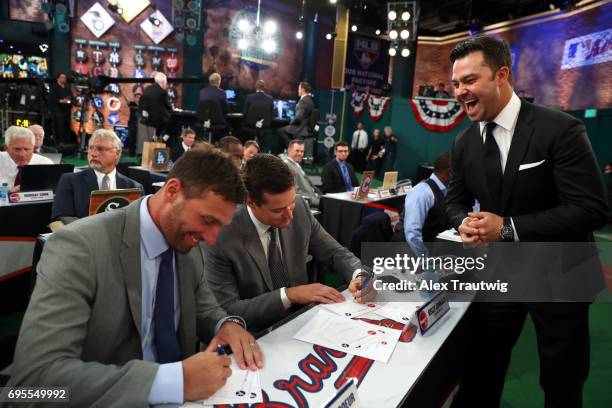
56, 158
38, 177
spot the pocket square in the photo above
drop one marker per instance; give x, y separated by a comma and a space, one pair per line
530, 165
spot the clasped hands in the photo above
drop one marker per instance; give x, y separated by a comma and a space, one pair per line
481, 227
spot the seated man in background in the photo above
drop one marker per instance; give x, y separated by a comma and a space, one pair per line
441, 91
257, 268
74, 189
298, 127
19, 152
187, 139
120, 299
424, 213
213, 92
39, 135
155, 102
338, 175
232, 146
251, 148
305, 188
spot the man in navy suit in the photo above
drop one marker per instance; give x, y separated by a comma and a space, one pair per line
338, 175
187, 140
259, 98
213, 92
74, 189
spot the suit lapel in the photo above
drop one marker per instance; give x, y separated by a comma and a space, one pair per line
252, 243
120, 181
129, 258
518, 148
90, 179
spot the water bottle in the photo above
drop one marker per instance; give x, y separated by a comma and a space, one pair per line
4, 194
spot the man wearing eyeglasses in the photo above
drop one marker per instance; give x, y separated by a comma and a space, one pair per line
74, 189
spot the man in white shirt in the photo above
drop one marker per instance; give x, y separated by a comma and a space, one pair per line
19, 152
359, 147
74, 189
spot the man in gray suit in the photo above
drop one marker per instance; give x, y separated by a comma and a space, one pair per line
257, 269
305, 188
121, 299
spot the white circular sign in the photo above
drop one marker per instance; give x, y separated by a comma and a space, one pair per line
330, 130
329, 142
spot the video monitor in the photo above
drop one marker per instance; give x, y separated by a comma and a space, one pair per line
284, 109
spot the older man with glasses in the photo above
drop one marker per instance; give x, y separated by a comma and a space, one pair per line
74, 189
19, 152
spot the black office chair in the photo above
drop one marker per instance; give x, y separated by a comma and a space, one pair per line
146, 116
210, 115
257, 122
373, 228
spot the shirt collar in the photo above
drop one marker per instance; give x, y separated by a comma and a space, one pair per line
151, 237
340, 163
259, 226
508, 116
185, 147
439, 183
100, 175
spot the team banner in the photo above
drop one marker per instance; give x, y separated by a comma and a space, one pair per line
367, 63
437, 115
588, 49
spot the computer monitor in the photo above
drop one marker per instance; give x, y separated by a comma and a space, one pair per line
56, 158
230, 94
38, 177
284, 109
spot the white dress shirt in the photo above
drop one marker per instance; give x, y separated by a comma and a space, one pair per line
112, 176
360, 140
8, 168
264, 237
185, 147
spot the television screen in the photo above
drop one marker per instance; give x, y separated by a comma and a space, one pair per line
284, 109
230, 94
22, 66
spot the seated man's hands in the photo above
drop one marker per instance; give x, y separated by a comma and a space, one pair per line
360, 293
315, 292
203, 374
243, 344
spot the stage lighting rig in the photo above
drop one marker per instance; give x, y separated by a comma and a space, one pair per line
402, 19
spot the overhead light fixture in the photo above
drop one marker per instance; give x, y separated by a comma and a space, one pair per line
354, 28
243, 43
404, 34
405, 52
299, 35
333, 1
269, 46
270, 27
392, 15
377, 32
405, 16
393, 34
329, 36
243, 25
392, 51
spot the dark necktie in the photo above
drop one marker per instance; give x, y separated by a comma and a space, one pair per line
348, 185
492, 162
18, 176
275, 261
165, 339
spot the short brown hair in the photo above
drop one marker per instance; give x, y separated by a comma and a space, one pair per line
267, 173
260, 85
207, 169
496, 52
305, 86
341, 143
250, 143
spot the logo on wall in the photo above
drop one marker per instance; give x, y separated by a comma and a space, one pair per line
589, 49
367, 51
158, 32
97, 20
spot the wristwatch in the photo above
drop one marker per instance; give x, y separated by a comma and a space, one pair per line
507, 232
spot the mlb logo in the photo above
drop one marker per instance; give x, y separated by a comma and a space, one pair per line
367, 51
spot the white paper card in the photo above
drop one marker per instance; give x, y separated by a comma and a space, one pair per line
350, 308
350, 336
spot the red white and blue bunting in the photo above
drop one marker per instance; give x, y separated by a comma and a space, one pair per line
437, 115
377, 106
358, 102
